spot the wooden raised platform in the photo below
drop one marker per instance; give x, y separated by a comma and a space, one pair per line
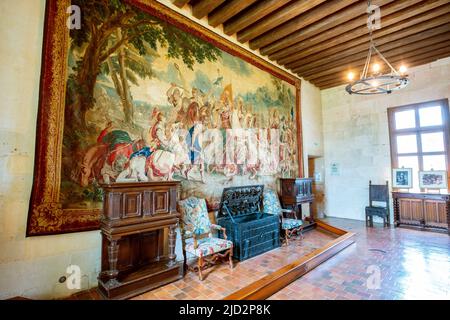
268, 285
272, 283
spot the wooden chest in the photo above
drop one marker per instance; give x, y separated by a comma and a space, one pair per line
252, 231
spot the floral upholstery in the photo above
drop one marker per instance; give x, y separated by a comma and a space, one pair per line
272, 206
288, 224
207, 246
195, 216
271, 203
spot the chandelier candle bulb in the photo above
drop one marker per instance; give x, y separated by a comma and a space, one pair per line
402, 69
376, 67
350, 76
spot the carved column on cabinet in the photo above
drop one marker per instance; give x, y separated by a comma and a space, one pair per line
396, 212
172, 242
448, 213
113, 251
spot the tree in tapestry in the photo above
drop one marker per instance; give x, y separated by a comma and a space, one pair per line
147, 101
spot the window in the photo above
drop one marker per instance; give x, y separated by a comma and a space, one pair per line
419, 136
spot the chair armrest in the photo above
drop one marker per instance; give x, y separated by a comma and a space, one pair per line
217, 227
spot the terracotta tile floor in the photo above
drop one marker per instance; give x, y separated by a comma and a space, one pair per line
412, 264
219, 281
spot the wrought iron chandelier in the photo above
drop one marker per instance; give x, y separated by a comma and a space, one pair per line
376, 82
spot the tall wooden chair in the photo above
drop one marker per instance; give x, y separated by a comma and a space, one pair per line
378, 193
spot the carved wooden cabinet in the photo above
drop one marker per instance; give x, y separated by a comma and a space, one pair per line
138, 228
294, 192
425, 210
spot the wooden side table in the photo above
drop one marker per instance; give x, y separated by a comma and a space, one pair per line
424, 210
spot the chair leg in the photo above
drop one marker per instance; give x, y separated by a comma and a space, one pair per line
200, 265
286, 236
230, 257
301, 233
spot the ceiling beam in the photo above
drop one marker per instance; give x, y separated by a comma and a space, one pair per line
349, 48
251, 15
360, 22
392, 25
441, 31
416, 63
180, 3
227, 10
430, 55
337, 19
342, 76
391, 56
201, 8
282, 15
299, 22
392, 47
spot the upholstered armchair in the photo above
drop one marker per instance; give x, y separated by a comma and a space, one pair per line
198, 237
289, 222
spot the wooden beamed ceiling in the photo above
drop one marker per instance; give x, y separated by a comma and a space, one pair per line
322, 41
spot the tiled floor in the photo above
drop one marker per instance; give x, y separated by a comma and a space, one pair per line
220, 281
411, 264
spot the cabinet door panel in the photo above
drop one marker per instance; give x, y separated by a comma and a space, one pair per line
435, 213
161, 202
411, 211
132, 204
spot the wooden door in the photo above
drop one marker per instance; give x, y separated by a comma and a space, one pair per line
411, 211
316, 171
435, 213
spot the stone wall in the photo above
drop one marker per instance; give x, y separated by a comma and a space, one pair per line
356, 136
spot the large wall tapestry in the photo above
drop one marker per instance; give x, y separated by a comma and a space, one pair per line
138, 93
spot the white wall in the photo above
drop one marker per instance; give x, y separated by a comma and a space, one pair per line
311, 122
356, 136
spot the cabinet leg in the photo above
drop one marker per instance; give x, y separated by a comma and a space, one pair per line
172, 241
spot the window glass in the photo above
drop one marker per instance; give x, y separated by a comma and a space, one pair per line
418, 136
405, 119
432, 142
430, 116
434, 163
407, 143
